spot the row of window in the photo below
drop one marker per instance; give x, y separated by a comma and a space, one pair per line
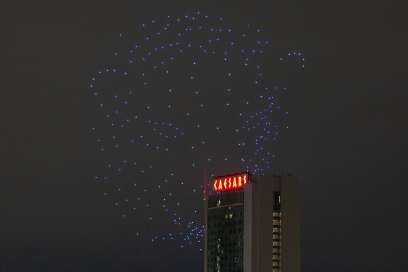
276, 235
276, 222
276, 250
276, 230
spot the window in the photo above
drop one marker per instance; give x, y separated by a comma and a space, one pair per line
276, 221
275, 257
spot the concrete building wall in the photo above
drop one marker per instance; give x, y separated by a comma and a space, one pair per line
249, 237
264, 213
290, 225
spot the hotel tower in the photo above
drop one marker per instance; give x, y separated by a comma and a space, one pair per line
252, 224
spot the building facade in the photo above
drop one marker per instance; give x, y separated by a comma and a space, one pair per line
252, 224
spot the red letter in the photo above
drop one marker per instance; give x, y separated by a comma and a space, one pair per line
234, 184
239, 182
215, 185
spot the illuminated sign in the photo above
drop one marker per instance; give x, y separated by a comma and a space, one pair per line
230, 183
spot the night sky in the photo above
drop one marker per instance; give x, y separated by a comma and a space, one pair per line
344, 136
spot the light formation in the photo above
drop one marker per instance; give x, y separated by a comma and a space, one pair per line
183, 98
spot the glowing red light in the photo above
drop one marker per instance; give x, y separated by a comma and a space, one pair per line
230, 183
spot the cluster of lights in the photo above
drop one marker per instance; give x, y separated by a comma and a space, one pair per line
158, 114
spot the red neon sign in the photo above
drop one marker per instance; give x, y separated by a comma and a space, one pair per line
230, 183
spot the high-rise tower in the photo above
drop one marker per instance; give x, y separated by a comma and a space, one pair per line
252, 224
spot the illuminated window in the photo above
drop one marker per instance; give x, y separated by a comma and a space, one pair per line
276, 222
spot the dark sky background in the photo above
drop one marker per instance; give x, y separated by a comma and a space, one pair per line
346, 142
